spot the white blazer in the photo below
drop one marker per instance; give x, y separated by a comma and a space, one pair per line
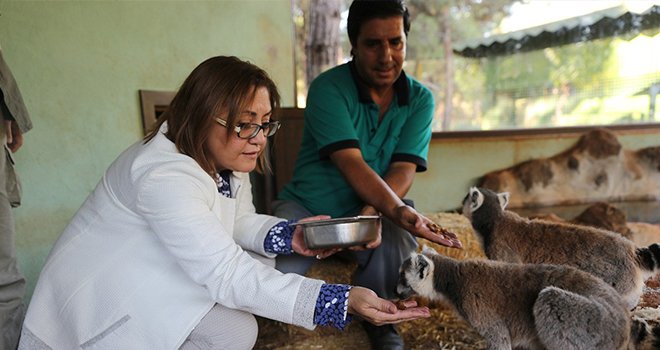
148, 254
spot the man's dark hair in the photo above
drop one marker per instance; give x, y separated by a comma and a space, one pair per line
365, 10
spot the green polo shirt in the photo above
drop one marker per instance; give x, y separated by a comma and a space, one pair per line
341, 114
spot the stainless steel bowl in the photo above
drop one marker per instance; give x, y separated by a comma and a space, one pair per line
340, 232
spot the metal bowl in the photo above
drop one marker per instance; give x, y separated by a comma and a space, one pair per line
340, 232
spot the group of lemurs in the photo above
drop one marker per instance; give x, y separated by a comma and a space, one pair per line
545, 285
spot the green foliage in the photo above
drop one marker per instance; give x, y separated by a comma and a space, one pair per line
467, 19
530, 89
566, 85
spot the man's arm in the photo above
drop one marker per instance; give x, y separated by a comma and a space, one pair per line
375, 191
369, 186
399, 178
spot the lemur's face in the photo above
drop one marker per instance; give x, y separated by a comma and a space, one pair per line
415, 277
475, 199
472, 202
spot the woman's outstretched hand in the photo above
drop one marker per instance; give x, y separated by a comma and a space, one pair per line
365, 303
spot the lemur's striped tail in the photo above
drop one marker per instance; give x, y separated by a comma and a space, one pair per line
644, 330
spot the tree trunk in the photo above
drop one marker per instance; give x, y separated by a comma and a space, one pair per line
322, 44
449, 67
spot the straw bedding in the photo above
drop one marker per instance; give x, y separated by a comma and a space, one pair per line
443, 330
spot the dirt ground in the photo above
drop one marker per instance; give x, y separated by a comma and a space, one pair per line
443, 330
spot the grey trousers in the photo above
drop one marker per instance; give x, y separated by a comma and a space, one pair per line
12, 282
378, 269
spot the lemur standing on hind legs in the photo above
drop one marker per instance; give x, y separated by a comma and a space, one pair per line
506, 236
522, 305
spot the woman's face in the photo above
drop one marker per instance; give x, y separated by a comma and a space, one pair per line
230, 152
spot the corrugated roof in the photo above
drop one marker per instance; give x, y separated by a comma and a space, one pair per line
609, 22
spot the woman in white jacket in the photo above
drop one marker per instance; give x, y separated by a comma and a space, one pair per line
168, 252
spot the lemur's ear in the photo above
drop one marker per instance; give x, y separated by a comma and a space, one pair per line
503, 198
476, 198
426, 250
422, 266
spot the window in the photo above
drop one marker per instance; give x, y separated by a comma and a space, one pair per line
503, 64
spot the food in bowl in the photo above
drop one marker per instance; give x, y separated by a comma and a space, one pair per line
340, 232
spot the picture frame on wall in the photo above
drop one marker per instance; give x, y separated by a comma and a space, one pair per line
153, 103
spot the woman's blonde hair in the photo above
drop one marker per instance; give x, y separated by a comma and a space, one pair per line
223, 84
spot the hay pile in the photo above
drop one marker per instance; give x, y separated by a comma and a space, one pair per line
443, 330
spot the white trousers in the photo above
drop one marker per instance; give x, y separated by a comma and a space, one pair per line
225, 328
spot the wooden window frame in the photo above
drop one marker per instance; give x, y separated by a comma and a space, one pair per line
536, 132
152, 104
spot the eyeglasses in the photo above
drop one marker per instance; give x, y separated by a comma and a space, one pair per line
250, 130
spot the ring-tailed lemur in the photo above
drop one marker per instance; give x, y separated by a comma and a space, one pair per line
506, 236
522, 305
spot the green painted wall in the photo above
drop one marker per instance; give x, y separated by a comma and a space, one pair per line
80, 64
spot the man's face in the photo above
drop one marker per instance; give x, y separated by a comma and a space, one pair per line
380, 50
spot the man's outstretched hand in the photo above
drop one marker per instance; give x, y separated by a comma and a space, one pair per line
421, 226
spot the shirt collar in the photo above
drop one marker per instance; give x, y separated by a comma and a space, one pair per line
400, 86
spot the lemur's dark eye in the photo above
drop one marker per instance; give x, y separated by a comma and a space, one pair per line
403, 280
423, 264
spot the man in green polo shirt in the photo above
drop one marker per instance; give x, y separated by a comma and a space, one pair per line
367, 131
